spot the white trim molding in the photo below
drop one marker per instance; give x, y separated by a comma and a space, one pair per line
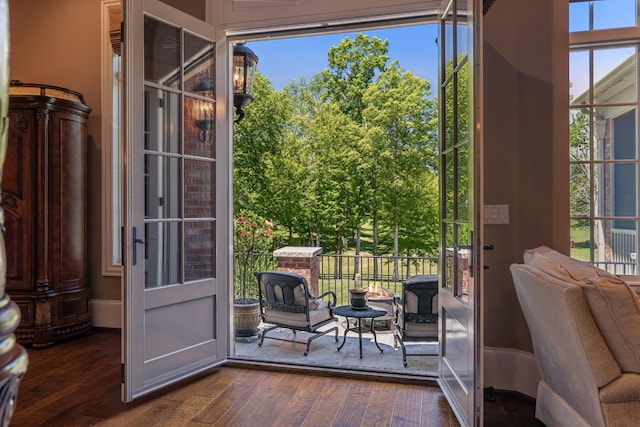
106, 313
511, 369
110, 166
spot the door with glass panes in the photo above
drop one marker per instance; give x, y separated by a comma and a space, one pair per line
460, 358
175, 301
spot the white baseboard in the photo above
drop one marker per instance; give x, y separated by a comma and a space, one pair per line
106, 313
511, 369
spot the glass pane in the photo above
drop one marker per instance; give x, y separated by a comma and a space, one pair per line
580, 185
199, 127
579, 77
615, 246
448, 44
447, 280
161, 53
615, 137
463, 183
162, 187
463, 104
614, 75
198, 66
199, 248
624, 188
449, 178
614, 14
615, 192
462, 38
162, 118
449, 117
579, 135
579, 16
199, 189
624, 136
580, 234
162, 254
463, 281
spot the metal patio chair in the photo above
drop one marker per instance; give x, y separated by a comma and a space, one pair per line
286, 302
418, 320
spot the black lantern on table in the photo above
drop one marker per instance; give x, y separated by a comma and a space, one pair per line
244, 68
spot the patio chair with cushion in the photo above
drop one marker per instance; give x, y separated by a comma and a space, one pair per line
418, 321
287, 302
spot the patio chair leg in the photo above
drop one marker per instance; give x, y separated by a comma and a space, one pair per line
318, 335
404, 353
263, 333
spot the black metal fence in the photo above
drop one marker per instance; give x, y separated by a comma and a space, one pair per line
337, 272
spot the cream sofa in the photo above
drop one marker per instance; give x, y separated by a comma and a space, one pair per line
585, 330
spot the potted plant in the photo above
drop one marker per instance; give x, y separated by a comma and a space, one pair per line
253, 236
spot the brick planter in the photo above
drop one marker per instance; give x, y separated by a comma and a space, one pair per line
300, 260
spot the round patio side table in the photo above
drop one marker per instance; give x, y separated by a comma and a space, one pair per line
359, 314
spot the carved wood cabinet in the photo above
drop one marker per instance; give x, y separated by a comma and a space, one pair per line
44, 199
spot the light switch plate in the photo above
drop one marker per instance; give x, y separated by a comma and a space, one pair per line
496, 214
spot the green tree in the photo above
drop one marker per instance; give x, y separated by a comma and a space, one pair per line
353, 65
400, 115
580, 173
258, 137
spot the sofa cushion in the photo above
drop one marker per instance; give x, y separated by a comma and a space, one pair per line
614, 305
561, 266
616, 310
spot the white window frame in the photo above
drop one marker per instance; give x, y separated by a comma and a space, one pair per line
604, 38
111, 135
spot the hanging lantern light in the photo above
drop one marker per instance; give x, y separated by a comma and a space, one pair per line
244, 68
204, 109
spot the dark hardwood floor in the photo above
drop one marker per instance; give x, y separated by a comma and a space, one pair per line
76, 383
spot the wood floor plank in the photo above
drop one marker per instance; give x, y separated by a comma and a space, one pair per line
301, 403
380, 409
77, 384
256, 403
432, 410
352, 411
407, 411
231, 396
328, 405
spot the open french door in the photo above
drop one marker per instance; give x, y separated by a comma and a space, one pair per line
460, 358
175, 298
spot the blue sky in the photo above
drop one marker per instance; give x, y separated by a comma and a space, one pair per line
284, 60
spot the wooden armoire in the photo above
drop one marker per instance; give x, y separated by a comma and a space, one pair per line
44, 200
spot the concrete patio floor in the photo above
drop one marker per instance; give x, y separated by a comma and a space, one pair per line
323, 352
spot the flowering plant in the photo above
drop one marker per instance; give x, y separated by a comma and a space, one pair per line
253, 236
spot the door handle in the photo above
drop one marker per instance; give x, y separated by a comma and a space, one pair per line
136, 240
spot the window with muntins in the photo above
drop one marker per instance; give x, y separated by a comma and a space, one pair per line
603, 133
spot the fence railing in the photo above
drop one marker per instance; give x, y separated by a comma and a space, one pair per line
261, 262
337, 272
623, 252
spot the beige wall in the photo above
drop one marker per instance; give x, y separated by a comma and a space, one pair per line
526, 156
58, 43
